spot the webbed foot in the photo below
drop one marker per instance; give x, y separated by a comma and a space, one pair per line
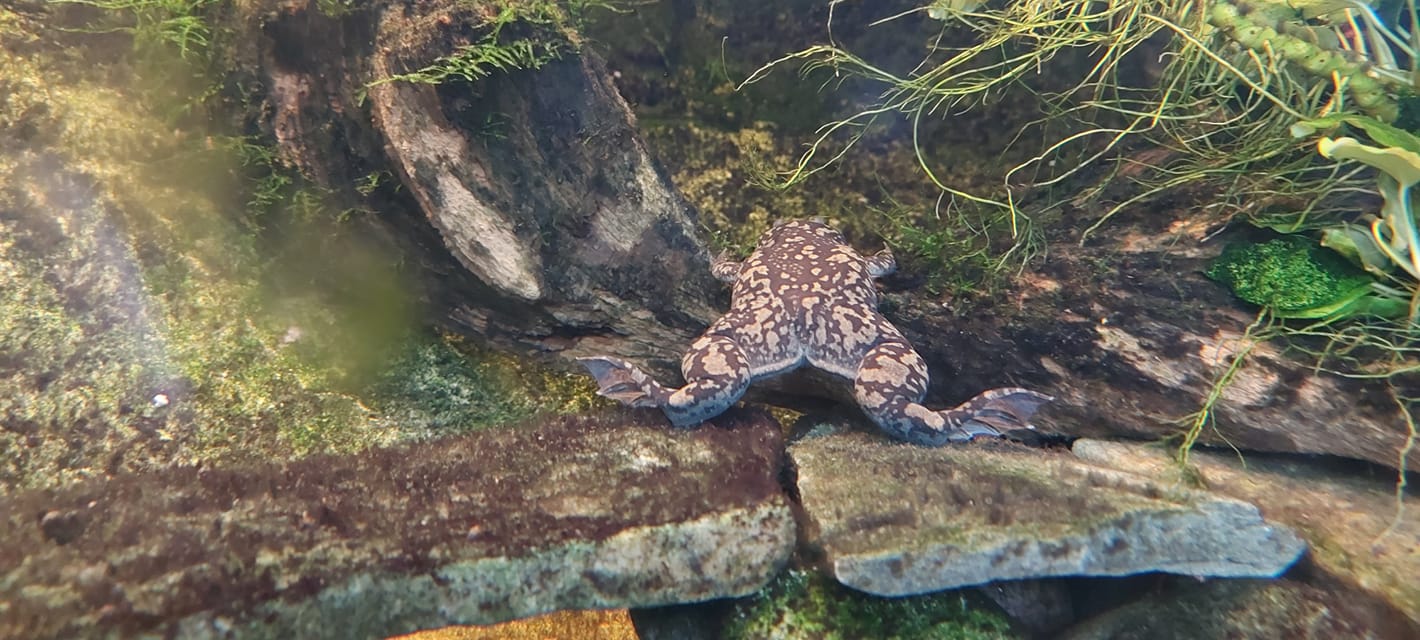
623, 382
992, 412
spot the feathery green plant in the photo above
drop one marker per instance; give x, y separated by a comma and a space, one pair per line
479, 60
554, 38
181, 24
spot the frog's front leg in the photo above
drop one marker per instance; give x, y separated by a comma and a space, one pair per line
717, 373
724, 268
891, 381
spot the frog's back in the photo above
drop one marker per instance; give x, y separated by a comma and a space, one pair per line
810, 295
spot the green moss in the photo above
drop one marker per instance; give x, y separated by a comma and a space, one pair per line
440, 385
1289, 275
802, 605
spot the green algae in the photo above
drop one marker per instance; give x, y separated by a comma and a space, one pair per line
803, 605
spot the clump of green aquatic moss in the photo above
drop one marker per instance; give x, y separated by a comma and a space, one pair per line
801, 604
1291, 276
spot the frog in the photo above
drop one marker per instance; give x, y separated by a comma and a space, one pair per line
805, 298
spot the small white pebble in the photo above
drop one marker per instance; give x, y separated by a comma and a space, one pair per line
160, 401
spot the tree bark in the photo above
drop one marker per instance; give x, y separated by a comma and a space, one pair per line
558, 235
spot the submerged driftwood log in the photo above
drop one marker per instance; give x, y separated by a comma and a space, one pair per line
559, 236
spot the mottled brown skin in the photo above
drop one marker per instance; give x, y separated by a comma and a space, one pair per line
804, 297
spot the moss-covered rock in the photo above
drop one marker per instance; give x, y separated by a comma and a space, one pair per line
908, 520
587, 512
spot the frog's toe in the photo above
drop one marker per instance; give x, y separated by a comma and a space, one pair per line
623, 382
971, 430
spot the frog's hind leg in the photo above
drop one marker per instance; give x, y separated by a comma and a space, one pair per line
717, 373
891, 381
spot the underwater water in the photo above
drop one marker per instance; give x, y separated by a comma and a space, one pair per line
708, 319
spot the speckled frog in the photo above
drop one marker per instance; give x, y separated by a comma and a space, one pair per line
804, 297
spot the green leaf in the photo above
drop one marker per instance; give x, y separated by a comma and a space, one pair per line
1380, 132
1401, 163
1403, 245
1343, 306
1355, 243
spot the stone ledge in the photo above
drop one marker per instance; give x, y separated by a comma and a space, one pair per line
910, 520
578, 512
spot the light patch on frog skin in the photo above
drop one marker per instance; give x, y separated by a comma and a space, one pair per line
884, 371
714, 363
927, 416
871, 399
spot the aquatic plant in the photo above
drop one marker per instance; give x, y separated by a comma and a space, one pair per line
1293, 277
1218, 100
1371, 275
552, 34
181, 24
1347, 38
1391, 241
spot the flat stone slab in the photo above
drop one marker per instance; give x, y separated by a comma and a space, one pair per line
897, 519
579, 513
1355, 526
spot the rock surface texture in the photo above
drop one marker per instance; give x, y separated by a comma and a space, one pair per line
586, 513
897, 520
1351, 521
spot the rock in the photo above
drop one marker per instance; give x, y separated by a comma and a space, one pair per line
1244, 609
578, 513
702, 621
897, 520
1349, 519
